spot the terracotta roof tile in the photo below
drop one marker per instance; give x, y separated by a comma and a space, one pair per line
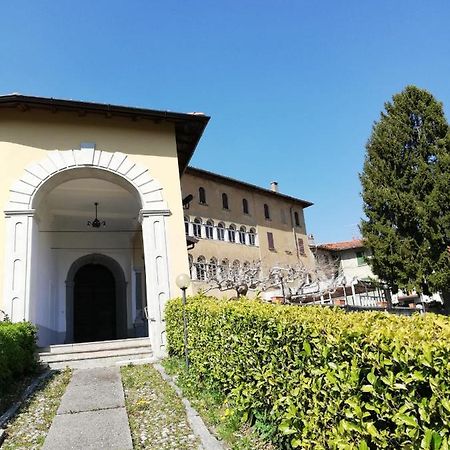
345, 245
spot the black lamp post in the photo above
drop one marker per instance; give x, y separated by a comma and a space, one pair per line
183, 281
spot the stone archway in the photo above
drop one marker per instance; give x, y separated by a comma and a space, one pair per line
21, 225
120, 287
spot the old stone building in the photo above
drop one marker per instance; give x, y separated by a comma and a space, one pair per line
238, 223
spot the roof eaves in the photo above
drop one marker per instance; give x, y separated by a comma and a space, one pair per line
213, 175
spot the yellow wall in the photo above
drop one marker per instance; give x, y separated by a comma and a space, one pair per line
26, 137
284, 234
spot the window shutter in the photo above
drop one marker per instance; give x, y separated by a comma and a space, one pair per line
301, 247
270, 241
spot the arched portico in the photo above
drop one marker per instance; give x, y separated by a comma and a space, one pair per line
28, 193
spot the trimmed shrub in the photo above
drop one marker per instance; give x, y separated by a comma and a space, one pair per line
17, 351
321, 377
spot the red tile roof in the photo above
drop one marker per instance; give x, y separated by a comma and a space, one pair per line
345, 245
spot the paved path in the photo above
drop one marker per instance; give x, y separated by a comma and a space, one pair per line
92, 413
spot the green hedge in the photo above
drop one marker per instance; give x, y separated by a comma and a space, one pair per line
17, 351
323, 378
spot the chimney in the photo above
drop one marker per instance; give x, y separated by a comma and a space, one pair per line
274, 186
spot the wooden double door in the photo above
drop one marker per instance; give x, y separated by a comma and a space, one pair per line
94, 304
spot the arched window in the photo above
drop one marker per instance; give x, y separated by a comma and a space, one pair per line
201, 268
232, 233
266, 211
197, 227
202, 195
225, 201
212, 268
242, 231
235, 268
221, 231
245, 206
186, 225
296, 219
209, 229
224, 268
252, 236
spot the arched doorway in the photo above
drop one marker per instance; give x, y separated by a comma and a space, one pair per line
94, 304
96, 300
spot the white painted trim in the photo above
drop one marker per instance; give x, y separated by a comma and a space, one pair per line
24, 190
60, 166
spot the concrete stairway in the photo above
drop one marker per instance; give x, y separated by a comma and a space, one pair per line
97, 354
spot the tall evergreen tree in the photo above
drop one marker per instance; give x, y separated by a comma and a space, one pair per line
406, 194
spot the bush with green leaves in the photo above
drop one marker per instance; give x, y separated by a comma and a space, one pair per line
17, 351
324, 378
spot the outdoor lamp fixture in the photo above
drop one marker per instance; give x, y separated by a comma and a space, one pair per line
183, 281
96, 223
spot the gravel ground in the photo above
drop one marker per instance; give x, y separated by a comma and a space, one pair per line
29, 428
156, 415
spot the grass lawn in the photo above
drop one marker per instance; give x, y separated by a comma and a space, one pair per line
212, 407
30, 426
156, 414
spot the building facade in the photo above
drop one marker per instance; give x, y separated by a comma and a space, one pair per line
237, 223
66, 164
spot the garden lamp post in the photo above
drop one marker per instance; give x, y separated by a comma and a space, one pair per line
183, 281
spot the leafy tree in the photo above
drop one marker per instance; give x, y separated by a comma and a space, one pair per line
406, 193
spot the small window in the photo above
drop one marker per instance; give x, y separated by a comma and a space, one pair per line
361, 258
209, 229
225, 201
252, 237
202, 196
270, 241
245, 206
197, 227
224, 268
212, 268
266, 211
296, 219
232, 233
221, 231
301, 247
201, 268
242, 232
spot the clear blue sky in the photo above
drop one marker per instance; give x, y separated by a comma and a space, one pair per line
293, 87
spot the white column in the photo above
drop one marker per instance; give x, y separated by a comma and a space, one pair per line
190, 229
225, 235
19, 231
203, 231
157, 275
214, 230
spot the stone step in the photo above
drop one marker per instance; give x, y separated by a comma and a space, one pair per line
84, 347
49, 357
102, 362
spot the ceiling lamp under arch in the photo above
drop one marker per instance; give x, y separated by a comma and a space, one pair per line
96, 223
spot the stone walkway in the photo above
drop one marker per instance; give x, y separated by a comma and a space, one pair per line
92, 413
